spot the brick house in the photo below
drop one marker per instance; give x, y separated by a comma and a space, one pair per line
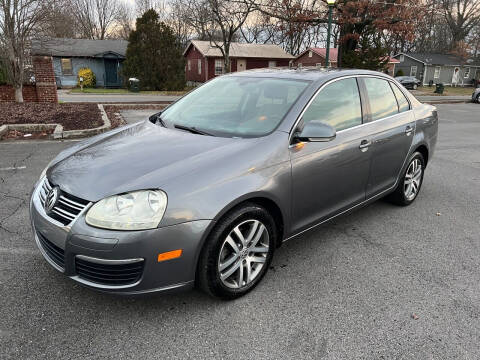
316, 57
204, 61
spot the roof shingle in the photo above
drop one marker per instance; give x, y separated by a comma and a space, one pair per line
79, 47
270, 51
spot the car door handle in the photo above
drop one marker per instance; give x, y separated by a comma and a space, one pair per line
408, 130
364, 145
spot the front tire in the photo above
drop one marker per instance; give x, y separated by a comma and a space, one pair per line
238, 252
415, 86
410, 182
478, 99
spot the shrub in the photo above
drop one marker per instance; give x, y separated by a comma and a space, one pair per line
399, 73
89, 79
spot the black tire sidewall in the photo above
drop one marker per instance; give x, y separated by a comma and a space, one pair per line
208, 274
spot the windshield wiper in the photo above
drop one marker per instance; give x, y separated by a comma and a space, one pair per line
192, 129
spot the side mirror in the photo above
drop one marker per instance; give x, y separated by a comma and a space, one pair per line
316, 131
153, 118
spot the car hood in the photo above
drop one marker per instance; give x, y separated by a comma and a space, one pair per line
143, 156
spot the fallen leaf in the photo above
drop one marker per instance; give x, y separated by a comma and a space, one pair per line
439, 214
414, 316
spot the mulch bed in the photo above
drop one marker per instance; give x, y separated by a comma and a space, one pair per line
115, 117
26, 135
71, 116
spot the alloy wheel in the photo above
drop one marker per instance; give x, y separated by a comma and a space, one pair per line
413, 178
243, 254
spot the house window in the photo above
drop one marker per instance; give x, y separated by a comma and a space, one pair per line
199, 65
189, 65
467, 73
218, 66
310, 53
436, 74
67, 67
272, 63
402, 58
413, 71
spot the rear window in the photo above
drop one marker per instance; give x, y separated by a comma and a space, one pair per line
403, 104
382, 100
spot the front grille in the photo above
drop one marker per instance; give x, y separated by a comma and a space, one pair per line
67, 206
55, 254
109, 274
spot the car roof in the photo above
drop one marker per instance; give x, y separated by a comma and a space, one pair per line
315, 74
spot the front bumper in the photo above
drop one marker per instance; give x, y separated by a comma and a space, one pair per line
123, 262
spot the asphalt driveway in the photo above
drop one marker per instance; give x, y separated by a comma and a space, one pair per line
383, 282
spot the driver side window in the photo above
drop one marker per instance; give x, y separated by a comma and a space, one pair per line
338, 105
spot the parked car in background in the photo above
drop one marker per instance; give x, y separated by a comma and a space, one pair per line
409, 82
205, 191
476, 95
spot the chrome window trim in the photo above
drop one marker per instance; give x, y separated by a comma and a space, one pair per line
299, 117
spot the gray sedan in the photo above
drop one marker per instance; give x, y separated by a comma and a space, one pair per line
205, 191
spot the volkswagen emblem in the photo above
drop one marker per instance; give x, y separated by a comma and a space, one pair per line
51, 200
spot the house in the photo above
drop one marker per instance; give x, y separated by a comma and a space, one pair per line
438, 68
103, 57
317, 57
204, 60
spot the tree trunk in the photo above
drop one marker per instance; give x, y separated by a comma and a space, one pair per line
19, 94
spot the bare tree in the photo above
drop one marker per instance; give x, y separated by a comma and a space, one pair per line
20, 20
124, 22
95, 18
462, 16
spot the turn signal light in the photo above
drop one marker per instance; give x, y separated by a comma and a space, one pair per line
169, 255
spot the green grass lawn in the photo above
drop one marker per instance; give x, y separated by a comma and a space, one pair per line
124, 91
449, 90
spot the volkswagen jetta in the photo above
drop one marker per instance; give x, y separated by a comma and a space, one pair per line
206, 190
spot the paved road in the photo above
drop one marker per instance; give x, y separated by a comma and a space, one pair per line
64, 96
133, 116
345, 290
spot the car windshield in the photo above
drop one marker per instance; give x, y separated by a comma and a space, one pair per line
235, 106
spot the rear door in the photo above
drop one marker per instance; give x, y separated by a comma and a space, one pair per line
392, 131
328, 177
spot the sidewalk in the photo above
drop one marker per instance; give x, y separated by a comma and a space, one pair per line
453, 98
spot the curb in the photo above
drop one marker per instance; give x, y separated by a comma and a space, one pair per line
58, 132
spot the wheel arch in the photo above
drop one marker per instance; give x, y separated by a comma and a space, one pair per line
423, 149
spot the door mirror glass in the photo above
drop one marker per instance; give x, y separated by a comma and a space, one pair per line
316, 131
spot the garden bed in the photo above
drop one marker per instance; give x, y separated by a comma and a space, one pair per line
26, 135
70, 116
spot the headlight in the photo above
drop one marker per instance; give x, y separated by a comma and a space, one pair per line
138, 210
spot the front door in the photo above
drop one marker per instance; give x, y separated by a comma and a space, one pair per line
392, 129
329, 177
111, 72
241, 64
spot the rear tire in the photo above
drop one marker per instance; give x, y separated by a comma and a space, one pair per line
410, 182
238, 252
415, 86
